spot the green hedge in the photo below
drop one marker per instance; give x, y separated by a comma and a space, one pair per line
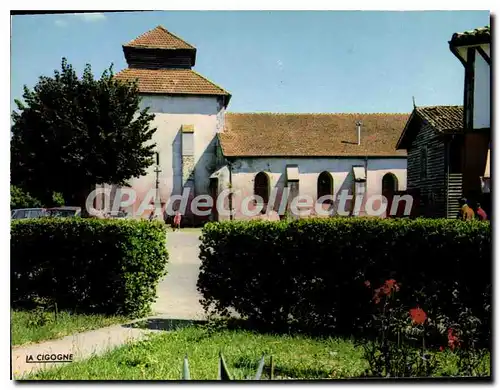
88, 265
312, 273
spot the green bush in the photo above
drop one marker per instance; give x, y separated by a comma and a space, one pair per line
88, 265
19, 199
22, 200
311, 273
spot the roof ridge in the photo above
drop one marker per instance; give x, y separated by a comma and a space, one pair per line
159, 27
318, 113
210, 81
483, 28
443, 105
140, 36
174, 35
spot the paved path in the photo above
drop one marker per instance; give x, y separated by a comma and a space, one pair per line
177, 294
81, 345
178, 300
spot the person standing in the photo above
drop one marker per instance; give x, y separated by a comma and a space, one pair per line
480, 213
466, 213
177, 221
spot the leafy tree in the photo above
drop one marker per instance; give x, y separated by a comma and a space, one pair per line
22, 200
71, 134
57, 199
19, 199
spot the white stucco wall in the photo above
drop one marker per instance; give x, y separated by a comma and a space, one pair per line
171, 112
245, 169
482, 86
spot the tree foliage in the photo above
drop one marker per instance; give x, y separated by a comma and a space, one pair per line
20, 199
72, 133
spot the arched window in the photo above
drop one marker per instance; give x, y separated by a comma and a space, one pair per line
325, 185
261, 186
389, 187
389, 184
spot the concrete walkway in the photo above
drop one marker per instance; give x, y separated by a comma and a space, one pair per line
178, 300
81, 345
177, 294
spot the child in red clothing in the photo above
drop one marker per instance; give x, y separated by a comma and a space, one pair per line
480, 213
177, 221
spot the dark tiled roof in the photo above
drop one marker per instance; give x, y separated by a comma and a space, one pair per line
443, 119
474, 37
159, 38
306, 135
171, 81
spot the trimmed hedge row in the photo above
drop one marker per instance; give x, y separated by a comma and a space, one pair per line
87, 265
313, 273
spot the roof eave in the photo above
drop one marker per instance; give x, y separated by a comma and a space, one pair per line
454, 50
400, 144
157, 48
353, 156
226, 98
470, 41
214, 95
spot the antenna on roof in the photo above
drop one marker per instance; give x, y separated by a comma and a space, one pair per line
414, 105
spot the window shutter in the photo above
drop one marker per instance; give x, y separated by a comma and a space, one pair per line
187, 144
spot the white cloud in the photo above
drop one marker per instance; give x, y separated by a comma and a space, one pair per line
92, 17
61, 23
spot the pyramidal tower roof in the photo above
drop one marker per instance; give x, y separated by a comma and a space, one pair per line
159, 38
159, 48
161, 63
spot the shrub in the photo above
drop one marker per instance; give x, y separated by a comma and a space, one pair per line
19, 199
310, 273
400, 348
87, 265
22, 200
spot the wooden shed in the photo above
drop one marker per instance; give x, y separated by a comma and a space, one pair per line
434, 140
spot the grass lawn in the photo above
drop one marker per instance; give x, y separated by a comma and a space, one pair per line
31, 326
160, 357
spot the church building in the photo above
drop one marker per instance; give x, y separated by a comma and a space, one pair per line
204, 150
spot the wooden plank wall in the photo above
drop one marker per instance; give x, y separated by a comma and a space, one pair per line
157, 59
432, 189
454, 193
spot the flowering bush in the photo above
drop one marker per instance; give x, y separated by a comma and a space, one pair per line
400, 349
418, 316
309, 274
394, 352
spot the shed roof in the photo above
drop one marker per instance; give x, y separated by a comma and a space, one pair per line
443, 119
477, 36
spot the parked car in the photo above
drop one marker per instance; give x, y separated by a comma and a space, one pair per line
117, 214
27, 213
64, 211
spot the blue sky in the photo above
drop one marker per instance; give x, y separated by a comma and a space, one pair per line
292, 61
